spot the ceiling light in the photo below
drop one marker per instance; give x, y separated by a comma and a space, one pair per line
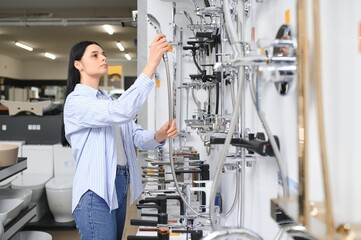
109, 29
128, 57
19, 44
49, 55
120, 46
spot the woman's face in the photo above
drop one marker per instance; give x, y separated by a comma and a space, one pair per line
93, 62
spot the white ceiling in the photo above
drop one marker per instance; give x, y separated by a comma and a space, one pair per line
20, 20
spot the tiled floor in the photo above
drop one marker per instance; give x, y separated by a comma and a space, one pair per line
74, 235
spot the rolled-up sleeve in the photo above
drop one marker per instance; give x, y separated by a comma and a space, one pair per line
144, 139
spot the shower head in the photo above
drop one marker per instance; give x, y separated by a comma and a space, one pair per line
188, 17
154, 22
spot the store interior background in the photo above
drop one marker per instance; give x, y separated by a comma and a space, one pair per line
341, 61
58, 37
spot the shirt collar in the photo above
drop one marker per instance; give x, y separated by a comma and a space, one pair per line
89, 91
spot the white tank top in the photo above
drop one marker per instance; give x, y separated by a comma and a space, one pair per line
122, 160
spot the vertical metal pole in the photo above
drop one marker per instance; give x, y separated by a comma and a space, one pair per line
241, 74
320, 116
174, 84
179, 52
221, 59
303, 103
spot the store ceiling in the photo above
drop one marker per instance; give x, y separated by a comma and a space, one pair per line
49, 26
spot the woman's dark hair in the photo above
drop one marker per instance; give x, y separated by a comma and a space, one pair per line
76, 53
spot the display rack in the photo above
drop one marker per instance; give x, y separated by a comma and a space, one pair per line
48, 223
6, 172
19, 222
26, 214
285, 212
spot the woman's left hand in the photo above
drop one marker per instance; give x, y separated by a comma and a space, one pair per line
166, 131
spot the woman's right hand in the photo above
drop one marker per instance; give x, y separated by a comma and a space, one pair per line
158, 47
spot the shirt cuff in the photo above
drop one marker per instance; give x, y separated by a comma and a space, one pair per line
156, 143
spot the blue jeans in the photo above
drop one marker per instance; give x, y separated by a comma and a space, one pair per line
92, 216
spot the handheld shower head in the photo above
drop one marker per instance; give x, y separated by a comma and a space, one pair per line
154, 22
188, 17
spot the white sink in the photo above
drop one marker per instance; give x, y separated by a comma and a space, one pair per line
9, 209
1, 232
32, 235
22, 194
8, 154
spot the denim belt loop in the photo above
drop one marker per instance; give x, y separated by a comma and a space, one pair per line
122, 170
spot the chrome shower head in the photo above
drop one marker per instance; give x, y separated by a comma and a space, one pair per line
188, 17
154, 22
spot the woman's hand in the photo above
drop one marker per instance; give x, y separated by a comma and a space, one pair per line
166, 131
158, 47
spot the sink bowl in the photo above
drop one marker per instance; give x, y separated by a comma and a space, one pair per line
6, 183
8, 154
2, 230
9, 209
32, 235
22, 194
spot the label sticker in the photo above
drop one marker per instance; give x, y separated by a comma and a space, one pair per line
288, 17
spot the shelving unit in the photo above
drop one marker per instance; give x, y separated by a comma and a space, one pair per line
26, 214
285, 211
48, 223
6, 172
19, 222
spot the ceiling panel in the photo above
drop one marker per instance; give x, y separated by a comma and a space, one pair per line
30, 4
59, 38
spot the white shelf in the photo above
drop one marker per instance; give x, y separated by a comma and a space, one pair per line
6, 172
19, 222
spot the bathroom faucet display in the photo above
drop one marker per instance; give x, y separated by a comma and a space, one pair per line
163, 234
195, 234
162, 219
160, 203
262, 147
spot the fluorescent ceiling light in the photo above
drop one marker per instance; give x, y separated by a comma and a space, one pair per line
49, 55
127, 56
22, 45
109, 29
120, 46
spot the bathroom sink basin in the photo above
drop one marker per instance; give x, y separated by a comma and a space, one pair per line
21, 194
6, 183
8, 154
9, 209
32, 235
2, 230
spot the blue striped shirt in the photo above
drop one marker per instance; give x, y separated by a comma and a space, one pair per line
90, 123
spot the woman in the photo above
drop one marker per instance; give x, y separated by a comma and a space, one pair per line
102, 134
